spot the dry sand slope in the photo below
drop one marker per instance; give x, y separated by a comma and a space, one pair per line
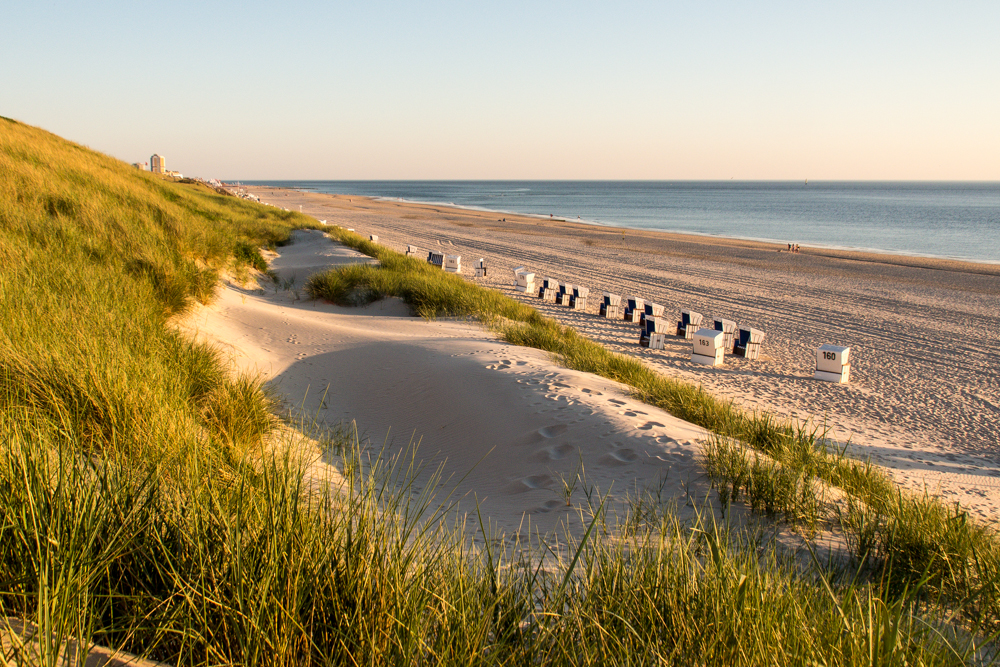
924, 400
507, 423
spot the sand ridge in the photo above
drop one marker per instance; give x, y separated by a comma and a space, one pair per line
924, 400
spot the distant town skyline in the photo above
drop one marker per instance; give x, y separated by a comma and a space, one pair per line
447, 90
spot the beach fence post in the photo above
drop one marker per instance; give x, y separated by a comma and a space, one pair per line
706, 347
833, 364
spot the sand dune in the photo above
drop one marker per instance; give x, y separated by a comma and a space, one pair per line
506, 422
924, 400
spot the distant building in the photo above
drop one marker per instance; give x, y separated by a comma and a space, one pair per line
158, 164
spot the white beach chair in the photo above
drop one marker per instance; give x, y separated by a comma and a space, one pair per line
481, 268
833, 364
706, 347
525, 282
453, 263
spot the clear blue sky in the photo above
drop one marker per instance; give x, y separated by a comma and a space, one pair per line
646, 90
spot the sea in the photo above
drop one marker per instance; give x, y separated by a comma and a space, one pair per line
953, 220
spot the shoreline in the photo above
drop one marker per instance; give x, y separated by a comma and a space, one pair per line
845, 252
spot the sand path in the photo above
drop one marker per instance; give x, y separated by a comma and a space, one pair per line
924, 400
506, 422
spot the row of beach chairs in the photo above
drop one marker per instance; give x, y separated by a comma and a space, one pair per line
709, 344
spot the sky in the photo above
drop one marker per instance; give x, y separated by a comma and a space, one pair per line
516, 90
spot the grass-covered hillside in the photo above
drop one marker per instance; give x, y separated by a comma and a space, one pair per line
95, 256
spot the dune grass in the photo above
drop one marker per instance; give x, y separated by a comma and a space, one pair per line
914, 539
255, 569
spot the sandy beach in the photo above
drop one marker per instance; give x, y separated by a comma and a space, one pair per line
923, 402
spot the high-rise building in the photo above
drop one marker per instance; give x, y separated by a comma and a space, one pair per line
158, 164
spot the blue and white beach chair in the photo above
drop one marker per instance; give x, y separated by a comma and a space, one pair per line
653, 333
436, 259
650, 309
578, 300
634, 308
563, 294
611, 306
690, 322
728, 329
748, 343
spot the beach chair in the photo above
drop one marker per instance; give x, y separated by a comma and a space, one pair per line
453, 263
728, 328
525, 282
634, 308
436, 259
690, 322
542, 286
747, 343
412, 251
373, 238
653, 333
563, 294
611, 306
650, 310
481, 268
833, 364
578, 300
706, 347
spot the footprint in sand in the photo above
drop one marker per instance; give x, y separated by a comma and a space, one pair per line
649, 426
553, 431
619, 457
556, 453
616, 401
535, 482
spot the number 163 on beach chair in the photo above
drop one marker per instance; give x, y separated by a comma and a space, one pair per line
706, 347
